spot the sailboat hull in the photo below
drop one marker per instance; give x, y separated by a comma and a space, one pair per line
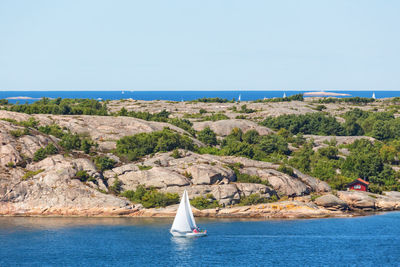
180, 234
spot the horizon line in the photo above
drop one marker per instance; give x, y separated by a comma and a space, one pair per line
194, 90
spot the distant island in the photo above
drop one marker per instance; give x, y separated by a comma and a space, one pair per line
21, 98
289, 157
325, 94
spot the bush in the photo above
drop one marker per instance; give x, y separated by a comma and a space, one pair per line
215, 117
175, 154
62, 106
104, 163
150, 197
42, 153
138, 145
314, 197
115, 188
10, 164
83, 176
144, 167
286, 169
207, 136
30, 174
254, 199
52, 129
310, 123
210, 100
207, 202
244, 109
17, 133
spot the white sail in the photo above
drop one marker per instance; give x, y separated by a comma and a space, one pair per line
284, 95
373, 95
184, 220
240, 96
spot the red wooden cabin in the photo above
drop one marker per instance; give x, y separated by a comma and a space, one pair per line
358, 184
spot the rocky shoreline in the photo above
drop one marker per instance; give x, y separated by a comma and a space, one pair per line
50, 186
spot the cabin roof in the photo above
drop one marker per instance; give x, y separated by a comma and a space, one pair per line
358, 180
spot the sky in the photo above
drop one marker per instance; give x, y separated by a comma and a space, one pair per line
199, 45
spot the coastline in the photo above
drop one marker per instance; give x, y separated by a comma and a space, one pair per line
275, 210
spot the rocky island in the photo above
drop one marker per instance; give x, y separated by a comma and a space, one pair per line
275, 158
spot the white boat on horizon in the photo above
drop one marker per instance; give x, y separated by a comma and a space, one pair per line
184, 224
373, 95
284, 95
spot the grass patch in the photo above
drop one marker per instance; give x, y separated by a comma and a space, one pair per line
30, 174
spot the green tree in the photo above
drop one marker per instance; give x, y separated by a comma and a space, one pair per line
207, 136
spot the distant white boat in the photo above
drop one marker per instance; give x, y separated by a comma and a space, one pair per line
122, 92
99, 99
184, 224
240, 96
373, 95
284, 95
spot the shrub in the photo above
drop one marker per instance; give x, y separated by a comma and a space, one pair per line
244, 109
188, 175
208, 202
310, 123
19, 133
144, 167
252, 200
62, 106
246, 178
52, 129
83, 176
150, 197
286, 169
42, 153
314, 197
215, 117
211, 100
10, 164
320, 107
104, 163
139, 145
30, 174
115, 188
207, 136
175, 154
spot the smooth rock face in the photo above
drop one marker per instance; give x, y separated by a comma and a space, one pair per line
386, 204
156, 177
207, 174
282, 183
105, 130
53, 191
357, 199
330, 201
12, 149
225, 127
315, 184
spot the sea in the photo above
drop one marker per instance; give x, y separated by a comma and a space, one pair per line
172, 95
360, 241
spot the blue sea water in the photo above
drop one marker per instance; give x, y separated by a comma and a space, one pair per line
361, 241
172, 95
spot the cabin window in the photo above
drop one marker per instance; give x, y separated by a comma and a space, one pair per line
357, 186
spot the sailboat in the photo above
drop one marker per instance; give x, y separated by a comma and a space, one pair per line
184, 224
284, 95
373, 95
240, 96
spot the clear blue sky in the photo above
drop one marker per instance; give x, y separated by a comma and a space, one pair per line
195, 45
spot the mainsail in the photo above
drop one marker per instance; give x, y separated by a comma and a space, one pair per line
184, 220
